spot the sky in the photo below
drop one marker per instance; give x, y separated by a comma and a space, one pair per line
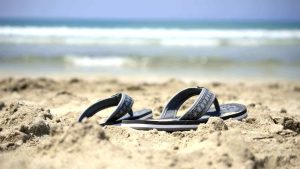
273, 10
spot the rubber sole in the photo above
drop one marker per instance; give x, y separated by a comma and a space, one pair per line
227, 111
168, 125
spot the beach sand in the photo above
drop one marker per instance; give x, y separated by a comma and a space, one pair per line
38, 127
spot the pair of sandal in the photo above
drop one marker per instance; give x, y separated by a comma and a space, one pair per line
200, 111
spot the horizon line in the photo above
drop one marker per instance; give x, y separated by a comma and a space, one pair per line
151, 19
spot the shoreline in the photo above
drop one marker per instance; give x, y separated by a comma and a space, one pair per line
153, 78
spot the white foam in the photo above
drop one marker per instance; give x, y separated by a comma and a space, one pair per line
86, 61
147, 36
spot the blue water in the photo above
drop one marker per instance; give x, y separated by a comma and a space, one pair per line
173, 48
184, 24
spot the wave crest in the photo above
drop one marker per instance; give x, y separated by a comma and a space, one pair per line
148, 36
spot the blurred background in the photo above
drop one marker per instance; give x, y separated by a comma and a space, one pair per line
173, 38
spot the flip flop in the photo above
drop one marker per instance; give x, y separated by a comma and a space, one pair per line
123, 110
198, 113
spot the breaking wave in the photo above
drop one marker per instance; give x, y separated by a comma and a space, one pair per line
147, 36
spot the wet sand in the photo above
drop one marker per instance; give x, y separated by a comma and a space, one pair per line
38, 126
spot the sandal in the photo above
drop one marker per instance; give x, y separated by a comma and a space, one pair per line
123, 110
198, 113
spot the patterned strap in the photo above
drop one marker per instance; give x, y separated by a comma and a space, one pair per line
201, 105
121, 100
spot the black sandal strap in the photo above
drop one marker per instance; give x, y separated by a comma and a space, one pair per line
121, 100
201, 105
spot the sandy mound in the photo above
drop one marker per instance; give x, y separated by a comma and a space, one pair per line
20, 122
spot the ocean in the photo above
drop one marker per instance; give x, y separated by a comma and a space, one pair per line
196, 49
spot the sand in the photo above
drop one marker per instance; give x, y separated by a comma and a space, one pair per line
38, 127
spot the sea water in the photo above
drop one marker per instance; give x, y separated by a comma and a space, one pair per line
171, 48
